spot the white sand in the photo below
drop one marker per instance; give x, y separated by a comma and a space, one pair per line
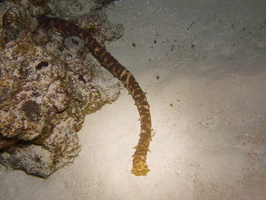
206, 84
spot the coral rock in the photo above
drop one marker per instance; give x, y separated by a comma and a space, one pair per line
48, 84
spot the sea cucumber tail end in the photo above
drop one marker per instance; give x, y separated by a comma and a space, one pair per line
140, 168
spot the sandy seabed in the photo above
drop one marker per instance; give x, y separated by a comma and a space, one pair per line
203, 66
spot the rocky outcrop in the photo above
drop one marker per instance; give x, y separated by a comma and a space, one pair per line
48, 84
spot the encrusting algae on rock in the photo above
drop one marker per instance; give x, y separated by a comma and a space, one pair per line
47, 87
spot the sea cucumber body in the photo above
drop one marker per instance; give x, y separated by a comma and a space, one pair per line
140, 167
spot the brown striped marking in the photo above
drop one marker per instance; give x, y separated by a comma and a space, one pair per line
140, 167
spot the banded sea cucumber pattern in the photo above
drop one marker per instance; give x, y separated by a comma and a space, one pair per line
140, 168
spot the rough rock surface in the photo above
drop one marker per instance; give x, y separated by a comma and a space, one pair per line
48, 84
